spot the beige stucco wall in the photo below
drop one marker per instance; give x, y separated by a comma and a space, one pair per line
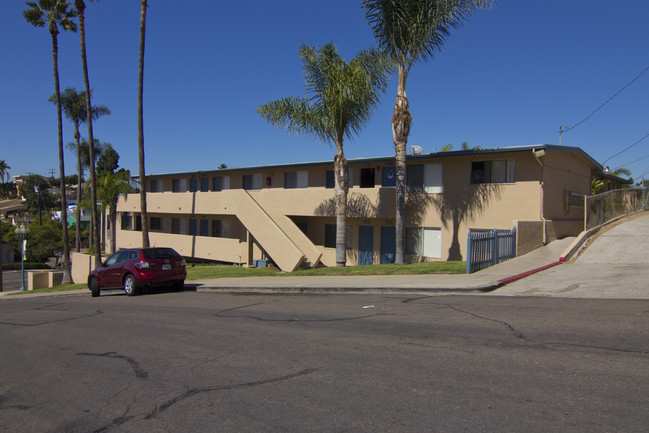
534, 203
82, 264
563, 173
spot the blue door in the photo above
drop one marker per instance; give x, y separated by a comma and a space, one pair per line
388, 244
365, 245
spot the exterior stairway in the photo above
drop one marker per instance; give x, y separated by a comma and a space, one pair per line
282, 240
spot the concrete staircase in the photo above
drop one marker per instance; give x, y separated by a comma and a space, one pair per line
282, 240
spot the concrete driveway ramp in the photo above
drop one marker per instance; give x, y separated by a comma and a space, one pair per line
628, 243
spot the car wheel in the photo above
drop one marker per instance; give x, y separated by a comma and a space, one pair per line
130, 287
93, 285
178, 286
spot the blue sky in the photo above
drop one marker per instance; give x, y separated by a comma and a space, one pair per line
510, 77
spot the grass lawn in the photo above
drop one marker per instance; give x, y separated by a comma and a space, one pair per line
202, 272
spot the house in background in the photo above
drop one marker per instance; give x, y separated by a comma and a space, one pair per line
285, 213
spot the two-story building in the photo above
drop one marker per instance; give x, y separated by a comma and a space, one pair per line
286, 213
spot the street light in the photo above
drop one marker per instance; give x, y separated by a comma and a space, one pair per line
22, 232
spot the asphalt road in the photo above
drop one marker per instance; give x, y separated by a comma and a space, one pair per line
206, 362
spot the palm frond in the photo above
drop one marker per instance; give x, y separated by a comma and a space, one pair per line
52, 12
414, 30
340, 97
34, 15
74, 106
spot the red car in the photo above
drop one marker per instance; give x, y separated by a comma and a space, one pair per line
135, 268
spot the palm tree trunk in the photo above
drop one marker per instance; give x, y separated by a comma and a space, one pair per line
341, 173
94, 234
67, 276
77, 137
401, 120
113, 228
140, 129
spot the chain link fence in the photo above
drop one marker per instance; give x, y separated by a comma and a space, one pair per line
604, 207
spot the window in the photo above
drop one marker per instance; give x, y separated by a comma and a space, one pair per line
290, 180
138, 223
126, 221
426, 176
415, 176
179, 185
367, 177
205, 184
192, 227
160, 253
155, 223
496, 171
388, 177
217, 183
178, 226
433, 178
193, 184
220, 228
296, 179
155, 186
113, 258
205, 224
252, 181
425, 242
330, 179
330, 236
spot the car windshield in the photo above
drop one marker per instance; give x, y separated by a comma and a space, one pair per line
160, 253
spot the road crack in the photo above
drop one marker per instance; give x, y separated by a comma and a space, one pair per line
523, 337
195, 391
339, 319
139, 371
68, 319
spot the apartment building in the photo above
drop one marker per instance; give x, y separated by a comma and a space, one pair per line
286, 213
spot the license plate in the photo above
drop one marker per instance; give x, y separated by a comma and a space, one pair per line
166, 267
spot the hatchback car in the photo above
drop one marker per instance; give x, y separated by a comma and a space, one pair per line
136, 268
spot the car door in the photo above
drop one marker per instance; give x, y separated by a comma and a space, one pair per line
106, 272
120, 268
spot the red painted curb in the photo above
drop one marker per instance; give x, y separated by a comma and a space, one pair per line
528, 273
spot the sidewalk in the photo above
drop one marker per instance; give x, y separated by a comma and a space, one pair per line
483, 281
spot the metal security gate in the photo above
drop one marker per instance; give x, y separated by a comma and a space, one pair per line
488, 248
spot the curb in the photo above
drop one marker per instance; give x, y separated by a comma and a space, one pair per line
351, 290
522, 275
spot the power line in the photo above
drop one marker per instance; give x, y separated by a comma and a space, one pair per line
626, 149
634, 161
566, 129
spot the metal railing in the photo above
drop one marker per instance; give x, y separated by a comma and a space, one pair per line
488, 248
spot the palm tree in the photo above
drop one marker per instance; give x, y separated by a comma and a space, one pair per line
412, 31
4, 169
74, 106
55, 13
81, 9
109, 186
140, 130
340, 100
